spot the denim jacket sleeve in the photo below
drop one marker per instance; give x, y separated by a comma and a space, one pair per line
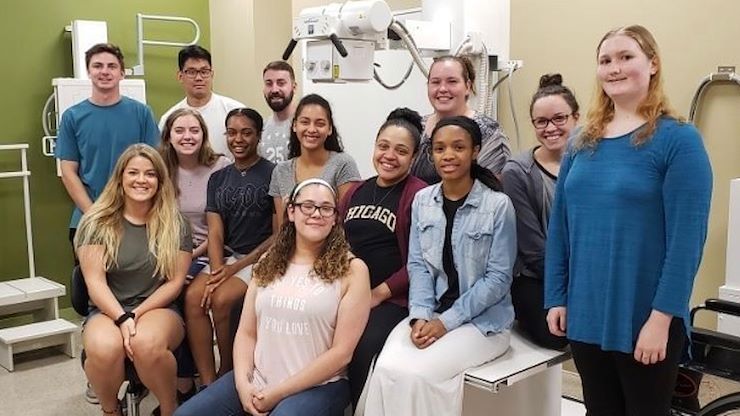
495, 283
422, 299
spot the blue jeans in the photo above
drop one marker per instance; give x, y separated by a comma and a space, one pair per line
222, 399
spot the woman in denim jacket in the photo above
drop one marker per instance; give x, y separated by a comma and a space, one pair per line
459, 302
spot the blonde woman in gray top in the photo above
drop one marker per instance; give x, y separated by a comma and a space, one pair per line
134, 249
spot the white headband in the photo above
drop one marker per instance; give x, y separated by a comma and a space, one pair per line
311, 181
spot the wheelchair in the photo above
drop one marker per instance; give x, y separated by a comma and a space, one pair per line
713, 353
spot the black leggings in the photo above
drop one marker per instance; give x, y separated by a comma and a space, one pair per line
528, 297
614, 384
383, 318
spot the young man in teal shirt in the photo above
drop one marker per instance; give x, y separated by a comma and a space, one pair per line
94, 132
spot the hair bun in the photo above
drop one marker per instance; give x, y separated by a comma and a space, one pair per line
406, 114
548, 80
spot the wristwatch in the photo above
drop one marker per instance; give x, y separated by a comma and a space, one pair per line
124, 317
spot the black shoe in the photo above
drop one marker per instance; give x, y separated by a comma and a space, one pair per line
183, 397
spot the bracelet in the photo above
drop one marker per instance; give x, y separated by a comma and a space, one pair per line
124, 317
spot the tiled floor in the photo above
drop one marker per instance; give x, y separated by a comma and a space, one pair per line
49, 383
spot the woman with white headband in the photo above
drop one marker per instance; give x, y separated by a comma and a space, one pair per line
303, 314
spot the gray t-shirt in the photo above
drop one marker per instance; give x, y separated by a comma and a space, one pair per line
340, 168
275, 137
132, 278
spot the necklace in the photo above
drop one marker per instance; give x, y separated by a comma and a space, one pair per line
388, 192
243, 171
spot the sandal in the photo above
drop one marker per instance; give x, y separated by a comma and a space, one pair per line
111, 412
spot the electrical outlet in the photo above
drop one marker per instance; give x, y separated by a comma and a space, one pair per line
726, 69
514, 64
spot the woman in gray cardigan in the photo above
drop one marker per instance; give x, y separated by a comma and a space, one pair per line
529, 180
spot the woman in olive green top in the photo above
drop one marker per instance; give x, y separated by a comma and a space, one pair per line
134, 249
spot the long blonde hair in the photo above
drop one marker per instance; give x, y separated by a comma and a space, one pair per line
331, 264
206, 155
655, 105
102, 224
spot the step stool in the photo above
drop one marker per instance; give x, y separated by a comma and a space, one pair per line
39, 297
35, 295
37, 335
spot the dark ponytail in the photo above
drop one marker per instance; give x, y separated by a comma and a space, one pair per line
471, 127
486, 177
408, 119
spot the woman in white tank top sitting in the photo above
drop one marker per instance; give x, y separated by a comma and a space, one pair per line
301, 320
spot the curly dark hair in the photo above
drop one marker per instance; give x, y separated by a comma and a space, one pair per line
331, 264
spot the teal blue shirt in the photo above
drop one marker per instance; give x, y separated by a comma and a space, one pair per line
95, 136
627, 232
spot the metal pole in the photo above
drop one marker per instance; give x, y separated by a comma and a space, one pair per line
27, 213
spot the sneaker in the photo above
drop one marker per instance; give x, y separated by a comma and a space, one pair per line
90, 395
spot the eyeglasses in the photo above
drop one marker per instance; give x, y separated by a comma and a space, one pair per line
308, 208
558, 121
192, 73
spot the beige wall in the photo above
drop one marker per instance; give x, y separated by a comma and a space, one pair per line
558, 36
551, 36
245, 36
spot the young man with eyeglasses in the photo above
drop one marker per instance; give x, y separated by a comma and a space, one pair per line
195, 74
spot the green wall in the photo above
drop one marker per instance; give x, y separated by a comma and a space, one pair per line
35, 50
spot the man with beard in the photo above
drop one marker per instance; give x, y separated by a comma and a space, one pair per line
278, 88
196, 76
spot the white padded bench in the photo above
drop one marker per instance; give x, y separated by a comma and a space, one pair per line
525, 381
37, 335
37, 296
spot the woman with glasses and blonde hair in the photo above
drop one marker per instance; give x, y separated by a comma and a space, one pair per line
303, 314
450, 85
529, 180
626, 233
134, 249
240, 217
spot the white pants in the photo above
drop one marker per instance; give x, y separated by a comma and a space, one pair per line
410, 381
